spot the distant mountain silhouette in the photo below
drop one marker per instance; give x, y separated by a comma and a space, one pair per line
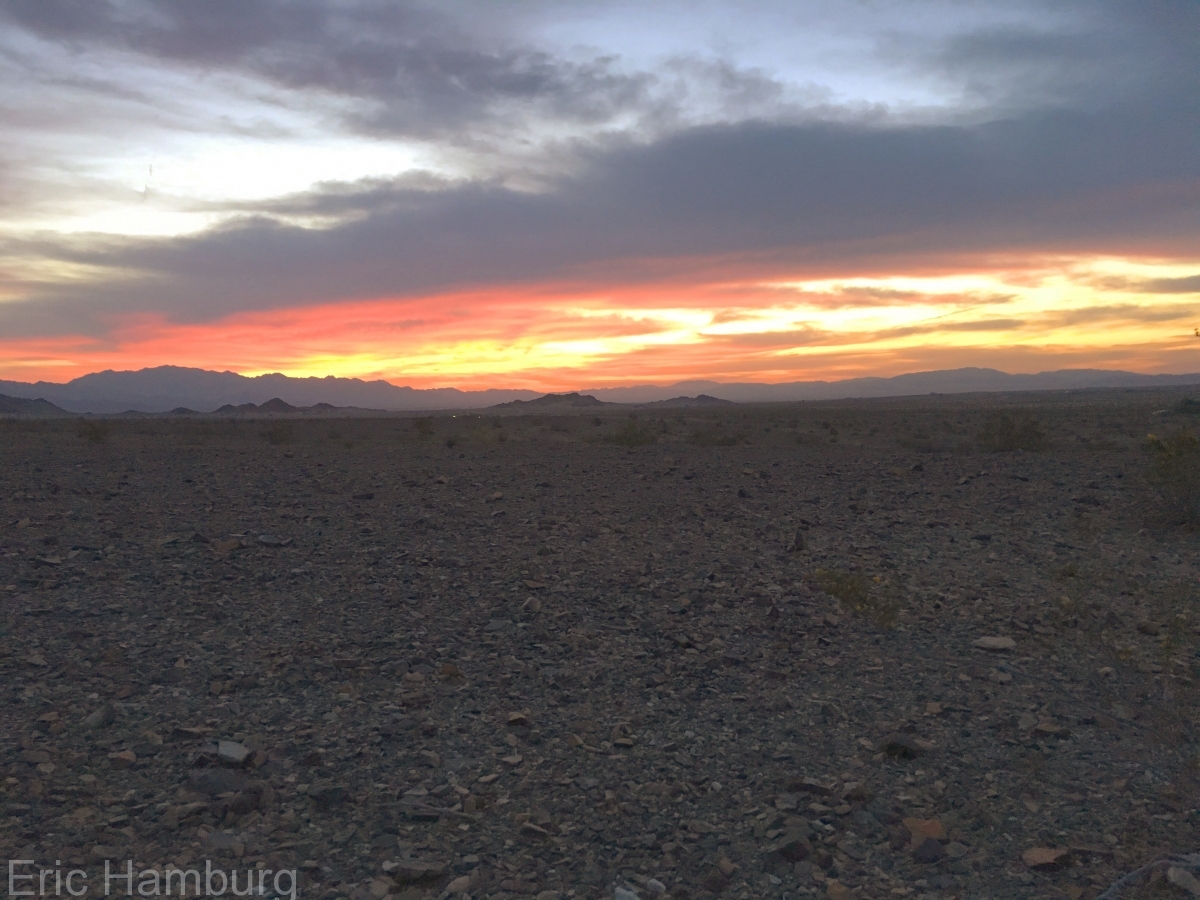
574, 399
688, 402
946, 381
21, 406
275, 406
167, 388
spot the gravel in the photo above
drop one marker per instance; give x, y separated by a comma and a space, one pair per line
552, 667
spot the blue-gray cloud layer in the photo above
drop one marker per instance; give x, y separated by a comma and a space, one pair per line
1054, 167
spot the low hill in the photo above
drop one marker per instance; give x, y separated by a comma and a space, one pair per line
575, 400
20, 406
690, 402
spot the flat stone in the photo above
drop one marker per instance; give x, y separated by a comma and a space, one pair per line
1182, 878
997, 644
100, 718
925, 828
122, 759
221, 840
1046, 858
808, 786
219, 781
412, 871
955, 850
231, 753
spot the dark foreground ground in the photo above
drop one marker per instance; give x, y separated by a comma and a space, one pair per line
502, 657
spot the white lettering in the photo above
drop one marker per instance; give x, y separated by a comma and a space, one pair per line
12, 878
209, 872
233, 879
111, 876
71, 875
183, 877
291, 891
149, 884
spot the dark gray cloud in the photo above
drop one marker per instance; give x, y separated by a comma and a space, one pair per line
1116, 312
1187, 285
1081, 55
423, 72
1085, 138
789, 196
935, 327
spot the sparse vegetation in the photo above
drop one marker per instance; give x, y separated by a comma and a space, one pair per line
631, 435
716, 436
92, 431
1175, 473
278, 433
859, 595
423, 427
487, 436
1188, 406
1003, 433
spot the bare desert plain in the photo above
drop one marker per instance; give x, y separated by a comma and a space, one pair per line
854, 650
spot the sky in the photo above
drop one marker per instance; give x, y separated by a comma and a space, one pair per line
561, 195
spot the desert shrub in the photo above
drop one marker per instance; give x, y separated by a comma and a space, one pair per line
858, 594
278, 433
484, 435
631, 435
716, 436
489, 436
1188, 406
451, 442
1175, 472
1002, 432
423, 427
91, 431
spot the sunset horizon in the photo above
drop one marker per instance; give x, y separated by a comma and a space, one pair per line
577, 195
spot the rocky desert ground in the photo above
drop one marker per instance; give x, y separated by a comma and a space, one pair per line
850, 650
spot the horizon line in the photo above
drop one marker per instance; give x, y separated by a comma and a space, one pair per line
596, 387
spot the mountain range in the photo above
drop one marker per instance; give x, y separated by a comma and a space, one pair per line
167, 388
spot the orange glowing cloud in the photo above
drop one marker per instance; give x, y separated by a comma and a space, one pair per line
1107, 313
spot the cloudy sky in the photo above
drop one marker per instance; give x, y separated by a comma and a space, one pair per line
524, 193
